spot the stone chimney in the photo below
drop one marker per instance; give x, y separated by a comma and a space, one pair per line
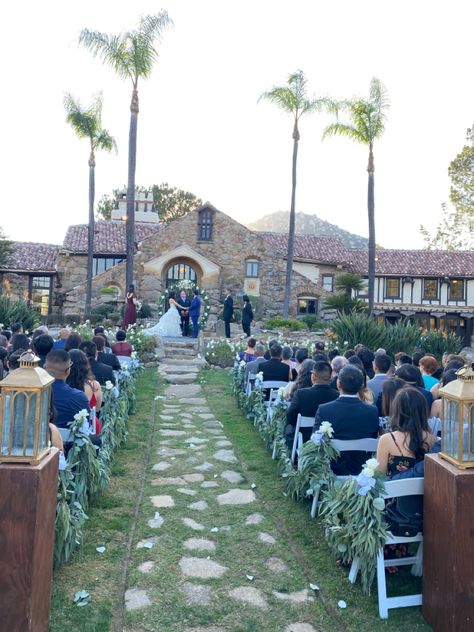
145, 209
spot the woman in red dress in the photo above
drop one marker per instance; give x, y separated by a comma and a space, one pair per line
130, 313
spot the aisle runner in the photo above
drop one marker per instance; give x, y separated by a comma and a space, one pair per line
206, 558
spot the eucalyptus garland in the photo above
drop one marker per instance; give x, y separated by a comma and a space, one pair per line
353, 517
187, 286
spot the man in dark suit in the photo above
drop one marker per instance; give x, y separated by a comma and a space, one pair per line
102, 372
350, 419
228, 311
184, 301
306, 401
110, 359
194, 311
274, 370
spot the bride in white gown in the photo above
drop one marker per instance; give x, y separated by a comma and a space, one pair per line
169, 325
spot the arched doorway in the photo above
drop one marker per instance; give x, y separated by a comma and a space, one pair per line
180, 271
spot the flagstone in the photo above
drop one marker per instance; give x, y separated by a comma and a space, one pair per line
167, 417
143, 543
146, 567
161, 466
206, 416
202, 446
204, 466
276, 565
297, 597
168, 480
209, 484
200, 544
162, 501
192, 459
187, 491
172, 433
189, 522
222, 443
199, 505
266, 538
300, 627
196, 440
170, 452
236, 497
196, 404
254, 518
200, 408
197, 594
183, 390
186, 415
212, 628
231, 476
227, 456
201, 568
193, 478
249, 595
135, 599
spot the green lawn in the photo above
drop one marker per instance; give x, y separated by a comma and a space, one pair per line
304, 536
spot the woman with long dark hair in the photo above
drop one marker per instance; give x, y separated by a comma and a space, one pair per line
247, 315
82, 378
130, 313
302, 381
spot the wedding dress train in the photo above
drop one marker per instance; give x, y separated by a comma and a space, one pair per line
168, 326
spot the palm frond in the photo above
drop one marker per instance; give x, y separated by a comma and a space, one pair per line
111, 49
281, 96
343, 129
105, 141
86, 122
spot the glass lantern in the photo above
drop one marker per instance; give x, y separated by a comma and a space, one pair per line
457, 436
25, 396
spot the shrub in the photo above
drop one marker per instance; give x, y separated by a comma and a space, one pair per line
72, 319
144, 311
284, 323
355, 328
221, 352
100, 312
17, 312
312, 321
402, 336
439, 342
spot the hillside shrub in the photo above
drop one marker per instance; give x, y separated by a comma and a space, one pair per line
292, 324
17, 312
439, 342
312, 321
144, 311
354, 328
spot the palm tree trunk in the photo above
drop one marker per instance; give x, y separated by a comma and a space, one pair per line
90, 234
291, 229
371, 214
132, 162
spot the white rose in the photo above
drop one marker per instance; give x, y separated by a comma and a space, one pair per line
281, 392
326, 428
372, 464
242, 363
81, 415
368, 472
259, 376
108, 385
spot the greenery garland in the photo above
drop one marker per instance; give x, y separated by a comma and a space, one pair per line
353, 517
187, 286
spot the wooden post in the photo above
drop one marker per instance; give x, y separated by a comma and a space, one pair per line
448, 553
27, 517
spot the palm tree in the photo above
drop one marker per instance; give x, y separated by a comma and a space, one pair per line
365, 123
132, 55
86, 122
292, 98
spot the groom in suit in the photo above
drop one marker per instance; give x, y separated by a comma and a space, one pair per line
228, 311
185, 303
194, 311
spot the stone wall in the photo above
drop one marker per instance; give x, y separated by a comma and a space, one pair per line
219, 263
14, 285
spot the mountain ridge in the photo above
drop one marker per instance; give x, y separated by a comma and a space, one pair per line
307, 224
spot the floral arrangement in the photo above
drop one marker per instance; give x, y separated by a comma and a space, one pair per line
188, 286
272, 430
353, 519
223, 352
314, 466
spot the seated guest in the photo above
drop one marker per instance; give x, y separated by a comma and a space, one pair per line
249, 354
13, 360
301, 355
385, 399
337, 364
319, 356
428, 365
122, 347
380, 351
270, 345
64, 334
286, 355
3, 342
320, 346
305, 401
106, 358
6, 333
73, 341
20, 341
67, 401
251, 368
100, 331
451, 365
349, 353
333, 354
412, 376
446, 378
400, 449
402, 358
3, 362
102, 372
42, 345
367, 357
302, 381
274, 370
381, 368
81, 378
416, 357
356, 361
350, 419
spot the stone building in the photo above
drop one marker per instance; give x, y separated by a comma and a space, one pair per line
433, 288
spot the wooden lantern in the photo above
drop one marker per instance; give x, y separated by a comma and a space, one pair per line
457, 437
24, 412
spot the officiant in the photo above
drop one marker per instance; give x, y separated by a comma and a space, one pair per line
185, 303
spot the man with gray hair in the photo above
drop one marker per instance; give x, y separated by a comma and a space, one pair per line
252, 367
337, 363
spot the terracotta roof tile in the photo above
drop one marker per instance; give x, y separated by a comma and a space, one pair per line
321, 248
31, 257
109, 237
415, 262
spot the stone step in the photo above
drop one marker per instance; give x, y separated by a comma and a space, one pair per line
180, 353
179, 362
186, 378
180, 344
166, 368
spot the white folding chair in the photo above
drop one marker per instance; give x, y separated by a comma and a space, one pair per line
124, 360
301, 422
250, 383
356, 445
397, 489
272, 386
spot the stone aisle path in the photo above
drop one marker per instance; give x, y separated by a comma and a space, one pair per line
206, 558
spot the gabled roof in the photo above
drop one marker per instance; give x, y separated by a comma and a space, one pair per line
434, 263
28, 256
109, 237
320, 248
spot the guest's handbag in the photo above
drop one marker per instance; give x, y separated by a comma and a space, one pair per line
400, 523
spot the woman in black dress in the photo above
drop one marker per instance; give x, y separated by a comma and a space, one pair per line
247, 315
